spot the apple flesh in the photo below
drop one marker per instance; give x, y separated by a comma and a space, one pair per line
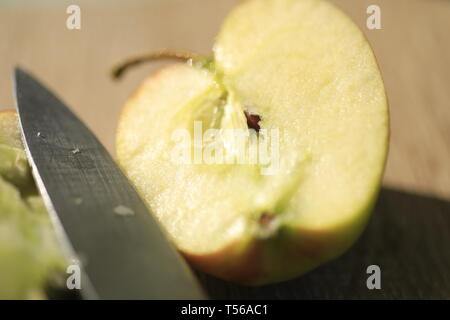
301, 66
29, 255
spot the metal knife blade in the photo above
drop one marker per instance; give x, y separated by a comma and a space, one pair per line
98, 216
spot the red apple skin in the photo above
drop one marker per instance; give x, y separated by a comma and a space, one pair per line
290, 252
243, 268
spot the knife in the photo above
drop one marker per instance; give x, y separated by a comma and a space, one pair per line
99, 218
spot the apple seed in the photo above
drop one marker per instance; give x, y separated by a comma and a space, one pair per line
265, 219
253, 121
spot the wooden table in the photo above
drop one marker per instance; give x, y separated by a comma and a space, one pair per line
409, 235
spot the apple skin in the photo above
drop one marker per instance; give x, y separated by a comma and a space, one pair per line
291, 252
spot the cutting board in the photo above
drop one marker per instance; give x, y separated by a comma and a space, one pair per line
409, 234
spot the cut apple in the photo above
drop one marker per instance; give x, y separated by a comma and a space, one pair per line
301, 67
29, 253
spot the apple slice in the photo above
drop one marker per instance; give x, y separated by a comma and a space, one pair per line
13, 161
29, 253
301, 67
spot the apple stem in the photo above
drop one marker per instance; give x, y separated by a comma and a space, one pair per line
179, 55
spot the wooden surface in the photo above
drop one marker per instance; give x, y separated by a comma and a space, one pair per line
409, 235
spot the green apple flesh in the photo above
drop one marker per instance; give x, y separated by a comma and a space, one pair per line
305, 69
29, 255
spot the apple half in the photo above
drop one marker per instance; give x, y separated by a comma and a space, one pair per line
302, 67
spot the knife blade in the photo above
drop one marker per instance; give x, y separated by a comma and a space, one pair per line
98, 216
